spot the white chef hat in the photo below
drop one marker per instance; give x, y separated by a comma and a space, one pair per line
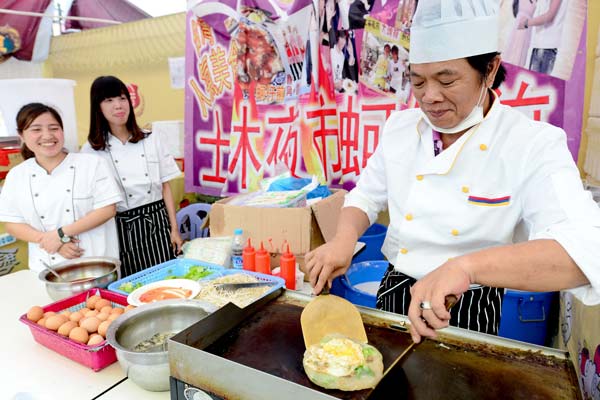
448, 29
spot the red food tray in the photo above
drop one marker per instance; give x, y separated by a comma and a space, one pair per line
95, 357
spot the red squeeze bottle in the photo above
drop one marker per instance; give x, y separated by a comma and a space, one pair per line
249, 257
287, 264
263, 260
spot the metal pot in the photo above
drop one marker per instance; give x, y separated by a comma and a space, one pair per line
79, 275
150, 370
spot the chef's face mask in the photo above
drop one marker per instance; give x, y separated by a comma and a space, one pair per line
474, 118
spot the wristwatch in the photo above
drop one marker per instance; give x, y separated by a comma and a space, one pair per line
526, 24
63, 238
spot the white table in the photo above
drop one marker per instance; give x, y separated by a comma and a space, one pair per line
129, 390
30, 370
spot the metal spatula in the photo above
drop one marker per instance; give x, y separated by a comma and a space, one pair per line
235, 286
383, 387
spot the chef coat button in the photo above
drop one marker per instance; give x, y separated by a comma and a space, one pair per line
72, 167
53, 258
68, 190
482, 147
142, 155
403, 251
465, 189
148, 192
36, 195
454, 232
33, 175
408, 217
41, 216
146, 174
116, 161
123, 178
419, 177
130, 195
67, 210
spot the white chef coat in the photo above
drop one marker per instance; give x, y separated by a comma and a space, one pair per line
440, 207
80, 184
140, 168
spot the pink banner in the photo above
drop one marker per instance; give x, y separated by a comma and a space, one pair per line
284, 86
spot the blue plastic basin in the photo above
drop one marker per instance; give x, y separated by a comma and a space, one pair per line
373, 239
360, 283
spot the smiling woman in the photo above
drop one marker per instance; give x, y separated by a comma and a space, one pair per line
62, 204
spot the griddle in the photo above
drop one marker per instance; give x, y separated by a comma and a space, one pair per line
256, 353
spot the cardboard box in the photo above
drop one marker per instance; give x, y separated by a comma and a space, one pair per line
304, 228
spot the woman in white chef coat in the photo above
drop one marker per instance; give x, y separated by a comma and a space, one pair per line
459, 176
63, 204
142, 166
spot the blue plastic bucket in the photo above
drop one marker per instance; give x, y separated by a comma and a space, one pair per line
373, 239
360, 283
525, 316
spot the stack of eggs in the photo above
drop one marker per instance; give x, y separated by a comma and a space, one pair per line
87, 325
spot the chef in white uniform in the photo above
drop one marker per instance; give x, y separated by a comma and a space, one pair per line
460, 176
142, 166
63, 204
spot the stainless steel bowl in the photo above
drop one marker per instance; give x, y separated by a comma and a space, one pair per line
150, 370
79, 275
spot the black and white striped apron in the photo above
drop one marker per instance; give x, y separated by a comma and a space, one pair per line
144, 237
478, 309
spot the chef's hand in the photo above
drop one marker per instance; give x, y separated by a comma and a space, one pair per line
451, 277
176, 241
327, 262
71, 250
50, 242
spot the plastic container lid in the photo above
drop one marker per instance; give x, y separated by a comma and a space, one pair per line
238, 231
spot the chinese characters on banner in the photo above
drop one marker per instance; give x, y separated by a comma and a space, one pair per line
305, 87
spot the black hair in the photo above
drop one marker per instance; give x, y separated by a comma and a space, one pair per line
105, 87
482, 63
394, 49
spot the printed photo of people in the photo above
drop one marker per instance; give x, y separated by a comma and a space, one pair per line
344, 66
542, 35
384, 62
258, 60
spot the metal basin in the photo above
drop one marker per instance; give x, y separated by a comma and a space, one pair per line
150, 370
79, 275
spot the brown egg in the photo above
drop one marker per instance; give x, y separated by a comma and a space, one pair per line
101, 303
117, 310
95, 339
91, 313
102, 316
103, 327
79, 334
90, 324
42, 322
66, 328
112, 317
106, 309
53, 322
84, 310
91, 301
35, 313
76, 316
66, 313
48, 313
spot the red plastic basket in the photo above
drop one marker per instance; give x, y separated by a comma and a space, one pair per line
95, 357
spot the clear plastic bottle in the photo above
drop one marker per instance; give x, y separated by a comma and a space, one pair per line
237, 249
